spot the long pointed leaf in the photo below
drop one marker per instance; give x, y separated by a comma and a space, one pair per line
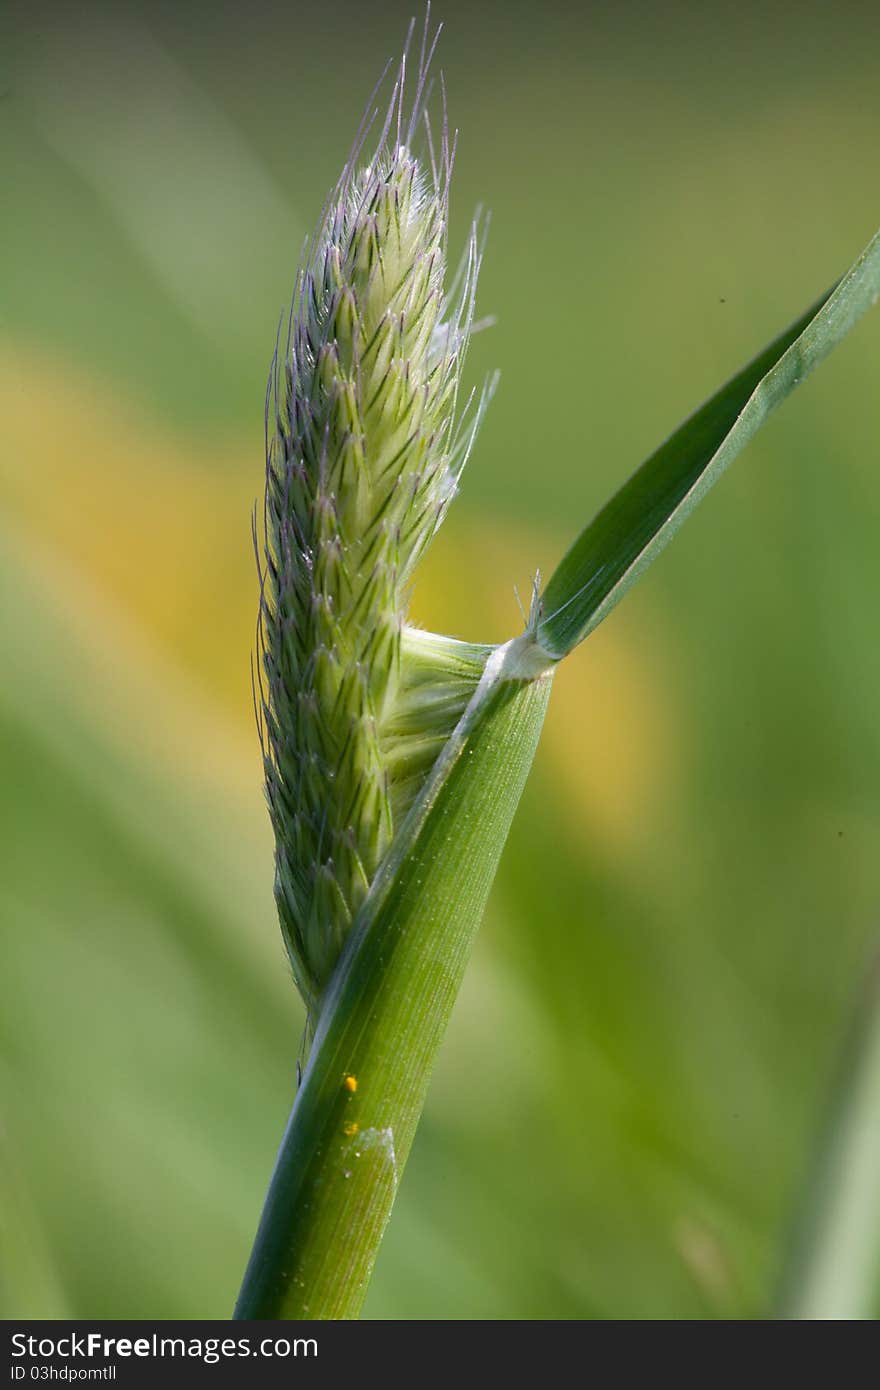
626, 535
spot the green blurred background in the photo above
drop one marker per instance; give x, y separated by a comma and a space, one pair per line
622, 1115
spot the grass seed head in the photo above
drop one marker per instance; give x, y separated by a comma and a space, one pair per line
365, 444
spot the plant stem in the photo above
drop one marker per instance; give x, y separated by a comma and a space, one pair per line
383, 1019
834, 1266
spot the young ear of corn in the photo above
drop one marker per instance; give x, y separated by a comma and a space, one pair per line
395, 759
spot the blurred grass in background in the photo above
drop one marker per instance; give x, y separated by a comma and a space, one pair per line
624, 1107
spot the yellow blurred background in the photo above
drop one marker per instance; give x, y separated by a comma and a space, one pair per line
623, 1113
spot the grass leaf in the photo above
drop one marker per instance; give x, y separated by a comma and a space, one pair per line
834, 1262
631, 530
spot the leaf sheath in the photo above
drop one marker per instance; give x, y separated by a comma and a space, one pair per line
353, 1122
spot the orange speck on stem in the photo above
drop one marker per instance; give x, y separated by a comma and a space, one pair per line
351, 1084
350, 1129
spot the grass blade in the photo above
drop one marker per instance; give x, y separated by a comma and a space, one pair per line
834, 1265
626, 535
